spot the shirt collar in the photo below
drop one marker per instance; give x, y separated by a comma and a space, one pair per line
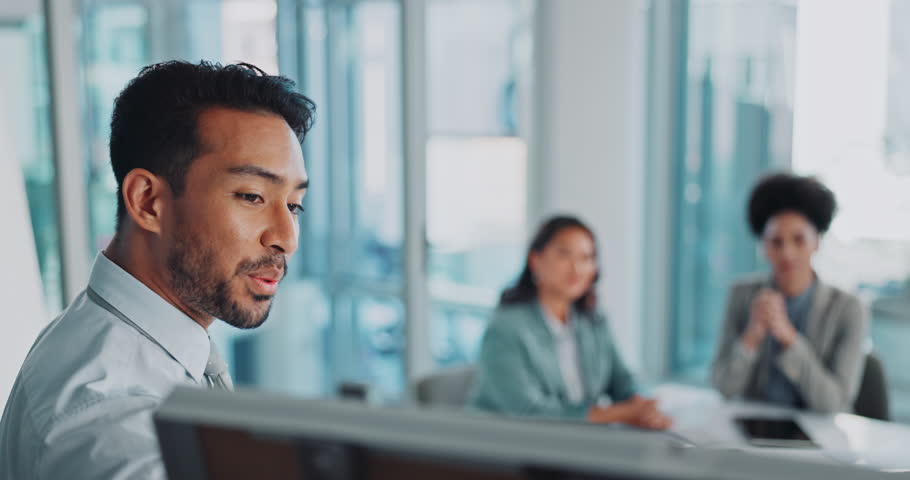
178, 334
803, 297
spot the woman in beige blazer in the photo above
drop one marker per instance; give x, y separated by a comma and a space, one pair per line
788, 337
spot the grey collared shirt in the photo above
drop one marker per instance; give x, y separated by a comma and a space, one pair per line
82, 404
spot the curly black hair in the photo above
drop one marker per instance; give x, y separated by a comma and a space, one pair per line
154, 121
780, 192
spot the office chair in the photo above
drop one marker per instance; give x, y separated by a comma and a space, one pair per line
872, 399
449, 387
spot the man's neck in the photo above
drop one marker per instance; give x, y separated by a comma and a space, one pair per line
124, 253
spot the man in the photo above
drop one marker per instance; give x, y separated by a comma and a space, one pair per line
211, 177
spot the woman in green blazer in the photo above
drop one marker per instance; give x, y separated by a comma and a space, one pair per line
548, 351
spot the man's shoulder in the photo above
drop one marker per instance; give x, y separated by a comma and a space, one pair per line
78, 336
84, 398
85, 358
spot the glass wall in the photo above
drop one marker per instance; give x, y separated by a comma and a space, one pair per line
851, 131
119, 37
350, 259
761, 91
28, 109
738, 88
114, 47
776, 84
346, 296
340, 316
478, 54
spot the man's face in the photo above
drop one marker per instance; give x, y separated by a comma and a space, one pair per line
236, 223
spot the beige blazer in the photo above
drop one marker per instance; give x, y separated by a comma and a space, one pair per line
824, 364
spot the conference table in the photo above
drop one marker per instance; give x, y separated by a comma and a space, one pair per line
705, 419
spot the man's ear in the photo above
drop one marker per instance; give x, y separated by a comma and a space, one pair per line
144, 195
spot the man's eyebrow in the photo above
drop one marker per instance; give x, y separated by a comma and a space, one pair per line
252, 170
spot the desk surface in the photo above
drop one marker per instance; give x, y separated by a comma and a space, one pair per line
704, 418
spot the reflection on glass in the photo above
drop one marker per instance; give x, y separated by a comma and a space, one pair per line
248, 33
121, 37
474, 57
349, 259
378, 217
380, 331
289, 353
476, 180
313, 258
862, 155
25, 73
739, 84
456, 333
354, 220
114, 48
476, 208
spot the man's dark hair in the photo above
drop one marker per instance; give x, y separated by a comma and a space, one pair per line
154, 125
782, 192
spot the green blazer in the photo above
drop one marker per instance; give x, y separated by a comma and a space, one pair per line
518, 368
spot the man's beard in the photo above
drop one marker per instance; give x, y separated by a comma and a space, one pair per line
193, 277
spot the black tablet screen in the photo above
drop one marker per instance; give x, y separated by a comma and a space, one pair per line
777, 429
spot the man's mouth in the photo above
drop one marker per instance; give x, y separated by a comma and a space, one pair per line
265, 282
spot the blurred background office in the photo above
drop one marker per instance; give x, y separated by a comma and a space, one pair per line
448, 128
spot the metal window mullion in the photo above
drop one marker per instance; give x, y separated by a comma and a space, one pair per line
664, 149
417, 357
343, 338
63, 61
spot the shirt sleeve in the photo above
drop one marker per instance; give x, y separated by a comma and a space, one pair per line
733, 363
111, 439
832, 386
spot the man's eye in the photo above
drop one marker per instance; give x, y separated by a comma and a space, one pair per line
249, 197
295, 208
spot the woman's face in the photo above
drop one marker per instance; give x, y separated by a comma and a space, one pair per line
790, 240
566, 266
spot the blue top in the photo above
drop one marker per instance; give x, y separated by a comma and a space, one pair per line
518, 369
781, 390
82, 404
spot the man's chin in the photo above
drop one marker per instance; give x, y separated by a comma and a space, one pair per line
250, 318
244, 324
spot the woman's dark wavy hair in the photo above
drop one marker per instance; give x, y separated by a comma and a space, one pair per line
525, 289
781, 192
154, 124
